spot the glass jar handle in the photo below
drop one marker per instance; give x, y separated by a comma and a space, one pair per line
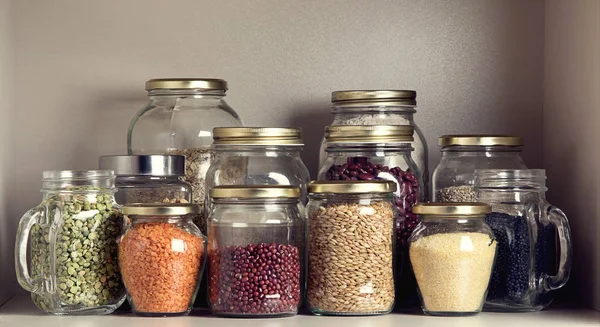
559, 220
30, 218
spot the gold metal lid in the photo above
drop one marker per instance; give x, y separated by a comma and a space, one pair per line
160, 209
258, 135
452, 209
369, 134
397, 97
255, 191
480, 140
351, 187
186, 84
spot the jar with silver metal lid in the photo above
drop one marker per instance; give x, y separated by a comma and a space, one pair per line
454, 176
256, 247
148, 178
257, 156
380, 107
179, 119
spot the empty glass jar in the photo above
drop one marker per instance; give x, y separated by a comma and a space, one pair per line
258, 156
452, 253
66, 247
526, 228
453, 178
179, 119
162, 256
149, 178
380, 107
256, 241
351, 247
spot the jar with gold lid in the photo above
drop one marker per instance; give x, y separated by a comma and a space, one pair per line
380, 107
454, 176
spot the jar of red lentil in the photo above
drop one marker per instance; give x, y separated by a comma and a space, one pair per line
161, 257
255, 252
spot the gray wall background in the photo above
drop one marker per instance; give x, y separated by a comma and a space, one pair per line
81, 67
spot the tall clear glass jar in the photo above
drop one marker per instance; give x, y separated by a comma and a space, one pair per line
380, 107
179, 119
452, 253
454, 176
527, 228
351, 238
66, 247
257, 156
149, 178
256, 240
162, 254
381, 152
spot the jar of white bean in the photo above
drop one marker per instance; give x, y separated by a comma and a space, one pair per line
452, 253
351, 247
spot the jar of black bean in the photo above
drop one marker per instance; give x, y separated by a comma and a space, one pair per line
529, 263
380, 152
255, 251
453, 178
71, 267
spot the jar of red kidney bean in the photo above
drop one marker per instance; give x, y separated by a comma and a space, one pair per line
255, 251
380, 152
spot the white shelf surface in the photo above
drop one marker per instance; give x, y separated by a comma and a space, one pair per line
20, 312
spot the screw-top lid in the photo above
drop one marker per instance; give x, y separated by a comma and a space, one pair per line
480, 140
351, 187
369, 134
149, 165
207, 84
451, 209
257, 135
255, 192
160, 209
391, 97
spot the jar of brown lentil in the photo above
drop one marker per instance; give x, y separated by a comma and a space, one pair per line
161, 256
351, 247
452, 252
256, 240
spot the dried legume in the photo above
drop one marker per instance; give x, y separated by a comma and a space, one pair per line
351, 258
160, 264
254, 279
87, 272
462, 193
453, 270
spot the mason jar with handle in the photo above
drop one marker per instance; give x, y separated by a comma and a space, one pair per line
66, 247
529, 263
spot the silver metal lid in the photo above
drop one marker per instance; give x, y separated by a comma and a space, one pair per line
149, 165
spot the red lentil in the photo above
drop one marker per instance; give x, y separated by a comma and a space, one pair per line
160, 264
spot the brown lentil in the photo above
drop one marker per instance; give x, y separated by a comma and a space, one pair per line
351, 258
453, 270
160, 264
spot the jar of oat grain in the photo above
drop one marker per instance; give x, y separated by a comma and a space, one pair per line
351, 247
452, 252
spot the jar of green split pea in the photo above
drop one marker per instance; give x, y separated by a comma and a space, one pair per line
66, 247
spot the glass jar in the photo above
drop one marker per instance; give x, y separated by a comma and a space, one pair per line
350, 247
527, 228
162, 255
454, 176
149, 178
66, 247
381, 152
179, 119
380, 107
255, 252
452, 253
257, 156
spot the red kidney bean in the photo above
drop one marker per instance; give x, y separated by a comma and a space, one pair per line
261, 279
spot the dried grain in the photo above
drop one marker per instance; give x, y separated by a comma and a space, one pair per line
462, 193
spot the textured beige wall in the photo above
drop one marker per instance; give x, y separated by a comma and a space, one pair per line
81, 66
7, 223
572, 132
